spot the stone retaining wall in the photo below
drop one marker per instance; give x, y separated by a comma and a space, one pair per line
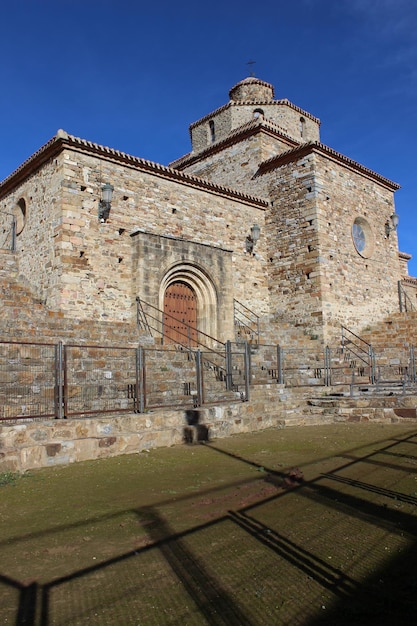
34, 444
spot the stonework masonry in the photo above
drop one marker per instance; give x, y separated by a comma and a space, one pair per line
265, 166
327, 253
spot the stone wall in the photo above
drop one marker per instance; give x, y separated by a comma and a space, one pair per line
399, 330
290, 120
158, 261
357, 287
42, 198
237, 164
25, 318
84, 268
293, 248
33, 444
317, 277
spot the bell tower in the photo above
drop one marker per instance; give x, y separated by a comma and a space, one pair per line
252, 100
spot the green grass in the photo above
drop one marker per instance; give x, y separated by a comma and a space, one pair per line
8, 478
213, 534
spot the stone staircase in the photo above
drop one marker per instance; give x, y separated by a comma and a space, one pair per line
366, 408
24, 318
171, 378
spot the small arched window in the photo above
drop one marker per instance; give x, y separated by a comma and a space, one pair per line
258, 113
212, 131
302, 126
19, 213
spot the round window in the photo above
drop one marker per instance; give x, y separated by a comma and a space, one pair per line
362, 237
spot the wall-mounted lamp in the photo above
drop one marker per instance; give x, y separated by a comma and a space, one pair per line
105, 202
251, 239
394, 221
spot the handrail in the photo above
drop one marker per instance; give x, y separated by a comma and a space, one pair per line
250, 316
405, 302
223, 371
161, 321
141, 317
355, 335
347, 344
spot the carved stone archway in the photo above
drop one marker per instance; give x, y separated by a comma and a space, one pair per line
202, 286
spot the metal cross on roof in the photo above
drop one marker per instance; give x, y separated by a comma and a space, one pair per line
250, 63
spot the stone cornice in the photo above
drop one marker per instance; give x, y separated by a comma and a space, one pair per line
232, 103
329, 153
410, 281
239, 134
142, 231
63, 140
287, 103
405, 256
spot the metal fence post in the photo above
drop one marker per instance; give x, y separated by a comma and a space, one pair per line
59, 387
248, 374
412, 365
327, 367
65, 379
280, 365
372, 363
229, 381
199, 375
140, 381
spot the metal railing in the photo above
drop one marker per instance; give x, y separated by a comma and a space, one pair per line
405, 302
28, 380
358, 352
246, 324
59, 381
44, 381
155, 322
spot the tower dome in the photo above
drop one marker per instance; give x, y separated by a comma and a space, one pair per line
252, 89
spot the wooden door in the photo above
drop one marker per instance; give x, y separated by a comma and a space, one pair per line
180, 314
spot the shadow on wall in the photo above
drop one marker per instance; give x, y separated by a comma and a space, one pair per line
194, 432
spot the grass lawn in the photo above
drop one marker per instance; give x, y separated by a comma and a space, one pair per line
309, 526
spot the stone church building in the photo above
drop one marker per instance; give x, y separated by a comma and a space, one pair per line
326, 254
260, 214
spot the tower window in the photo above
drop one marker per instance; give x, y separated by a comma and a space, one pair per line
258, 113
212, 131
302, 126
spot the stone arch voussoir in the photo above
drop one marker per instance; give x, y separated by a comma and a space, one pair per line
202, 285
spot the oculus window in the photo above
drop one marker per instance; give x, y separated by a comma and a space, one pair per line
362, 237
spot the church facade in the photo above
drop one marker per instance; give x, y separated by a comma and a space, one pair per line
259, 213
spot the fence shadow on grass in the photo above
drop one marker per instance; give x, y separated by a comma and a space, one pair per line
388, 595
27, 594
384, 596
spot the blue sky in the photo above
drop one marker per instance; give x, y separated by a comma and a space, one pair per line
133, 75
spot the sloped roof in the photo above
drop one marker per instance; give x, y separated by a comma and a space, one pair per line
62, 140
320, 148
238, 134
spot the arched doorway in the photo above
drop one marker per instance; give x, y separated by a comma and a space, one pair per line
180, 314
187, 293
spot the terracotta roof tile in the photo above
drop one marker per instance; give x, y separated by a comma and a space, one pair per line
239, 134
63, 140
320, 148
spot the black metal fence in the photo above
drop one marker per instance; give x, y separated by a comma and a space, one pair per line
39, 380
